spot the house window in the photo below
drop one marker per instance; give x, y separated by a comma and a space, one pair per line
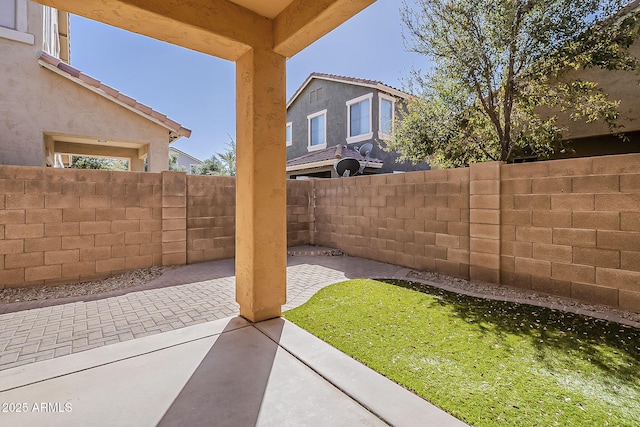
359, 119
289, 134
13, 21
8, 14
387, 116
51, 36
317, 130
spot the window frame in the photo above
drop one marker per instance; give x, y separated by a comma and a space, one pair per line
363, 136
310, 117
50, 31
289, 142
19, 33
384, 96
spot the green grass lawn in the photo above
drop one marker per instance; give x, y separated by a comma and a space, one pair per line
488, 363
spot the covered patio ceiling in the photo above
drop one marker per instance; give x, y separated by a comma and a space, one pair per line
259, 36
223, 28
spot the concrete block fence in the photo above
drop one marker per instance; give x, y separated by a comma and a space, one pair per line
565, 227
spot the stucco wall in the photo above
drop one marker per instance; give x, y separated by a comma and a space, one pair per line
621, 86
334, 98
36, 101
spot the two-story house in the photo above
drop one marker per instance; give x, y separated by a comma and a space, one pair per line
595, 138
331, 117
50, 110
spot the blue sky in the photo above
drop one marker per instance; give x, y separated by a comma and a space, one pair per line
199, 90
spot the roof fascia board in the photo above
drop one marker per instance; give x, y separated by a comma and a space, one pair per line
184, 154
216, 27
392, 91
379, 86
303, 22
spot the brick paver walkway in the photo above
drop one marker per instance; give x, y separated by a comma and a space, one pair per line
182, 297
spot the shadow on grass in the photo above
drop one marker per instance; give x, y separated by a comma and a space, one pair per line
609, 346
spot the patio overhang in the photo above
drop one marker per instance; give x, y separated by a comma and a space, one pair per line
223, 28
259, 36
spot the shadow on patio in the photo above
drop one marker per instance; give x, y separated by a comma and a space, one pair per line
223, 373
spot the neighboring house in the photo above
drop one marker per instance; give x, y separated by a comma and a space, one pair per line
328, 111
595, 139
185, 160
50, 110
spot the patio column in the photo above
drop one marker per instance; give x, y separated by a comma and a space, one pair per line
261, 235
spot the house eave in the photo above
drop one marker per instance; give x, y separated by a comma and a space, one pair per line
379, 86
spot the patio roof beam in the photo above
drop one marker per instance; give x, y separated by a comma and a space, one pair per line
215, 27
92, 150
303, 22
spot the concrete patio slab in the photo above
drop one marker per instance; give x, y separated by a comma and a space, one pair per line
222, 373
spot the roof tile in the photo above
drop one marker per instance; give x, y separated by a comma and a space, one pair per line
126, 99
159, 116
63, 66
109, 90
331, 153
144, 108
89, 80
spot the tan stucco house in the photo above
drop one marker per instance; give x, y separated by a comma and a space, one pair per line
50, 110
595, 138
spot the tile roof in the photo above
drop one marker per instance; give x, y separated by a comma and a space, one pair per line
334, 153
351, 80
95, 85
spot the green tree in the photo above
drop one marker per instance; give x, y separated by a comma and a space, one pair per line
83, 162
228, 158
222, 164
499, 75
173, 163
212, 166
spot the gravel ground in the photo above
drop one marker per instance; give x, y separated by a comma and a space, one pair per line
121, 281
489, 289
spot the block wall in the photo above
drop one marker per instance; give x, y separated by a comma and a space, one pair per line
417, 220
572, 228
565, 227
211, 210
63, 225
67, 225
300, 212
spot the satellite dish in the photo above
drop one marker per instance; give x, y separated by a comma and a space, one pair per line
365, 150
347, 167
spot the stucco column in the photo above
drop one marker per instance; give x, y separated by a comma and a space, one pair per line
261, 217
136, 164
